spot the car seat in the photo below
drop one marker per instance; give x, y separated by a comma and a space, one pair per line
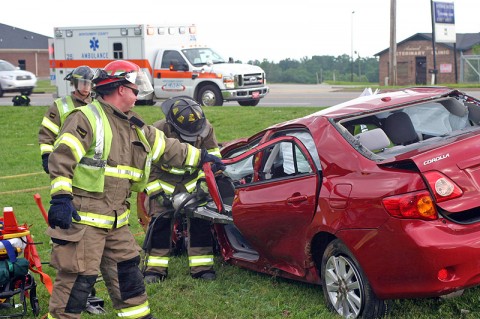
373, 140
473, 113
399, 129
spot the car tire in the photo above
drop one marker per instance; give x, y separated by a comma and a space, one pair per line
210, 95
1, 91
345, 287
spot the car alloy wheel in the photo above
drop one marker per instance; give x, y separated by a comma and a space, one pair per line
345, 286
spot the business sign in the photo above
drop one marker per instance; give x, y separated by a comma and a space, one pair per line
444, 12
446, 68
444, 17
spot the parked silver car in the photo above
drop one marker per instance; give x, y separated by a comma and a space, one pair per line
12, 79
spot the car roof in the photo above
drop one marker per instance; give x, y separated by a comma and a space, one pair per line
362, 105
384, 101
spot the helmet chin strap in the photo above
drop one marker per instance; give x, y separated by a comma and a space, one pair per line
81, 95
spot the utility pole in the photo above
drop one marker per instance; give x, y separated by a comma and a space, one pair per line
434, 74
392, 66
351, 47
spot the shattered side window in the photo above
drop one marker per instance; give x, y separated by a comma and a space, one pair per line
283, 159
307, 140
241, 172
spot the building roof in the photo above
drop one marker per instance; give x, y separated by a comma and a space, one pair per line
16, 38
465, 41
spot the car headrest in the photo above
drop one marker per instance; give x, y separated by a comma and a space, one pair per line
473, 113
375, 139
454, 106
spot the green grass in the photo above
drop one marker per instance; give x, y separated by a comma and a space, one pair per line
237, 293
44, 86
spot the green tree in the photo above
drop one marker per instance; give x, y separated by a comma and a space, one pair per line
320, 68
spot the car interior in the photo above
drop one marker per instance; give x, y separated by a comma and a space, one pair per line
283, 159
409, 127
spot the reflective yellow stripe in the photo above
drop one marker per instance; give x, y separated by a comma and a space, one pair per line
158, 146
73, 143
122, 220
135, 312
193, 156
190, 186
205, 260
176, 171
154, 261
49, 316
60, 184
215, 151
96, 220
153, 187
50, 126
127, 172
46, 148
99, 131
65, 105
102, 221
168, 188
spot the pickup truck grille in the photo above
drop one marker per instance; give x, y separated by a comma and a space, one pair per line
251, 80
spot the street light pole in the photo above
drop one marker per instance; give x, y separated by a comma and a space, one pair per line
351, 45
392, 66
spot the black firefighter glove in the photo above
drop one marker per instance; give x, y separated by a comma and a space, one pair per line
61, 212
45, 162
217, 164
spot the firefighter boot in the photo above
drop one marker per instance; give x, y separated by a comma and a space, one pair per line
153, 278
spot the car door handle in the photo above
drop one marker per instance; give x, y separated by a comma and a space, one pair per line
297, 199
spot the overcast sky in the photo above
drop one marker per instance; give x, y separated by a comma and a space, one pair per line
253, 29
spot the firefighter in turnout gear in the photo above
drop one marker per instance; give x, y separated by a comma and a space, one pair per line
185, 121
104, 152
81, 80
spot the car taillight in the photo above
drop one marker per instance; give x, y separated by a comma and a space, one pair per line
443, 188
417, 205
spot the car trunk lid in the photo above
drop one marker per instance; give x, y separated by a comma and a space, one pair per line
457, 158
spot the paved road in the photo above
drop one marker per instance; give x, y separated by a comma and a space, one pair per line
280, 95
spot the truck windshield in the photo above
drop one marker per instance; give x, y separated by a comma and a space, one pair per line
201, 56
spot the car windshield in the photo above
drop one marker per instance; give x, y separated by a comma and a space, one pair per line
7, 66
397, 131
201, 56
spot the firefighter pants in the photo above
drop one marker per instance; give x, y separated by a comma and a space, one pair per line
200, 251
79, 253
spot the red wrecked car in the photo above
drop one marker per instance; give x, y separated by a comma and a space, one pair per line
374, 199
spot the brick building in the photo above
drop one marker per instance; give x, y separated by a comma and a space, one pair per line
415, 59
25, 49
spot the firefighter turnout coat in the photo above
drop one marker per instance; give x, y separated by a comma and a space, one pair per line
53, 119
100, 157
171, 180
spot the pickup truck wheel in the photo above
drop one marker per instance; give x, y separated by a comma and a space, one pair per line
345, 286
249, 102
210, 95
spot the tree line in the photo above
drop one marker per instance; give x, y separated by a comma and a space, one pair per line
318, 69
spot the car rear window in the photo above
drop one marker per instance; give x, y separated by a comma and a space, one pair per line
396, 131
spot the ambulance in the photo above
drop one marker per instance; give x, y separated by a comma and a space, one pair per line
169, 54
